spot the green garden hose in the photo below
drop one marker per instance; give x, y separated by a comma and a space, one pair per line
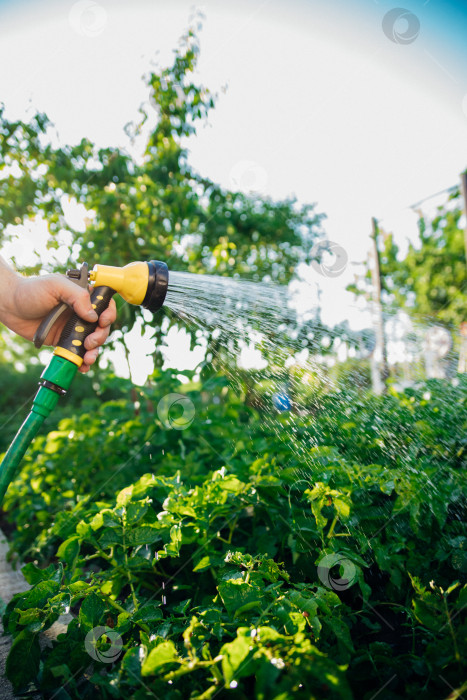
18, 447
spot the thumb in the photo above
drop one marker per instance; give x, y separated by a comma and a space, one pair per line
76, 297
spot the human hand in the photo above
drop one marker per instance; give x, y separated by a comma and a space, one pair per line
27, 300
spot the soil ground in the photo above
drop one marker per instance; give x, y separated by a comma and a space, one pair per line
12, 582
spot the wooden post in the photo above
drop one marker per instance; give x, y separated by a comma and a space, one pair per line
464, 192
462, 367
383, 367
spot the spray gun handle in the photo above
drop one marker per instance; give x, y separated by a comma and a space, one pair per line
71, 343
79, 277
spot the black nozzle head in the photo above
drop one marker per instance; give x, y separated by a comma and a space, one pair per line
157, 285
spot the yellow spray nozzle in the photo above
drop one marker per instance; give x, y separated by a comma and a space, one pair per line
131, 281
138, 283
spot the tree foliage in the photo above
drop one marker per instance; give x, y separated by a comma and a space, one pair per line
431, 280
153, 205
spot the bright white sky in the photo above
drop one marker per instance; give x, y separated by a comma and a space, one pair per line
319, 102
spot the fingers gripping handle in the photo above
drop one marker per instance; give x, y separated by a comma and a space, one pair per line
71, 343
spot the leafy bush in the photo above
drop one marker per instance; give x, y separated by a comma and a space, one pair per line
319, 556
17, 390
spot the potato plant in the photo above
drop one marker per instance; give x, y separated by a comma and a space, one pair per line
226, 560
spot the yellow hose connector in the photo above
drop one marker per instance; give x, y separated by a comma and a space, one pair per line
131, 281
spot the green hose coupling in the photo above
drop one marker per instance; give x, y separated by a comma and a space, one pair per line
55, 381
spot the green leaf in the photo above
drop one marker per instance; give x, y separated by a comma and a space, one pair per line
232, 484
22, 664
97, 521
29, 615
253, 605
40, 594
124, 497
145, 534
203, 564
236, 593
172, 549
182, 607
430, 613
304, 604
136, 511
61, 603
69, 551
342, 507
149, 612
91, 611
111, 536
236, 656
131, 663
33, 574
84, 530
342, 633
161, 656
78, 588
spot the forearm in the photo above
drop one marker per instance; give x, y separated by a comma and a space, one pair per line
9, 280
